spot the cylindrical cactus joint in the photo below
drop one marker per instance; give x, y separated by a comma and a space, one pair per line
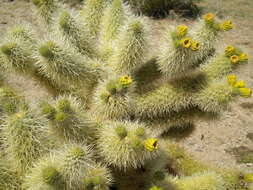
64, 19
121, 131
60, 116
140, 132
50, 175
76, 152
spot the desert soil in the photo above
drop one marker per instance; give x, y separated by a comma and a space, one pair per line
211, 141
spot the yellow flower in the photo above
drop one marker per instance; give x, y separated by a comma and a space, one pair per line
248, 178
182, 30
234, 59
227, 25
245, 92
209, 17
125, 80
243, 57
239, 84
151, 144
155, 188
195, 45
229, 50
231, 79
185, 42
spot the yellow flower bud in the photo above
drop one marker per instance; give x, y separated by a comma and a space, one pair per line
248, 178
227, 25
182, 30
231, 79
229, 50
195, 46
125, 80
209, 17
185, 42
243, 57
239, 84
151, 144
245, 92
234, 59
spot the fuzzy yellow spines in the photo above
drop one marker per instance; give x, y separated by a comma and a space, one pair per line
25, 139
124, 151
178, 52
98, 177
131, 47
92, 13
8, 178
64, 65
45, 174
76, 33
66, 120
46, 10
75, 160
163, 101
200, 181
17, 55
113, 99
206, 32
113, 18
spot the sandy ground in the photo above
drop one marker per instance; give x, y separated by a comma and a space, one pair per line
210, 139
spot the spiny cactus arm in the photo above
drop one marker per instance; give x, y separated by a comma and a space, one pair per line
9, 180
178, 53
72, 29
131, 47
76, 161
216, 95
112, 98
46, 10
223, 64
92, 13
17, 55
25, 139
67, 120
114, 17
98, 177
163, 101
206, 32
64, 65
123, 145
45, 174
205, 180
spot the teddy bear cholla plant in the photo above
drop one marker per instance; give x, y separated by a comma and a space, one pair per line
113, 101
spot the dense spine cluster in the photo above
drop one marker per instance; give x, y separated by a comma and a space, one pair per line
112, 101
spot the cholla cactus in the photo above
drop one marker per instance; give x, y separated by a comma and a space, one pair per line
116, 99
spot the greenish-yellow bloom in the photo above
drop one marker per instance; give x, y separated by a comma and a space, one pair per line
151, 144
245, 92
182, 30
195, 45
231, 79
243, 57
125, 80
209, 18
227, 25
239, 84
229, 50
234, 59
186, 42
248, 177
